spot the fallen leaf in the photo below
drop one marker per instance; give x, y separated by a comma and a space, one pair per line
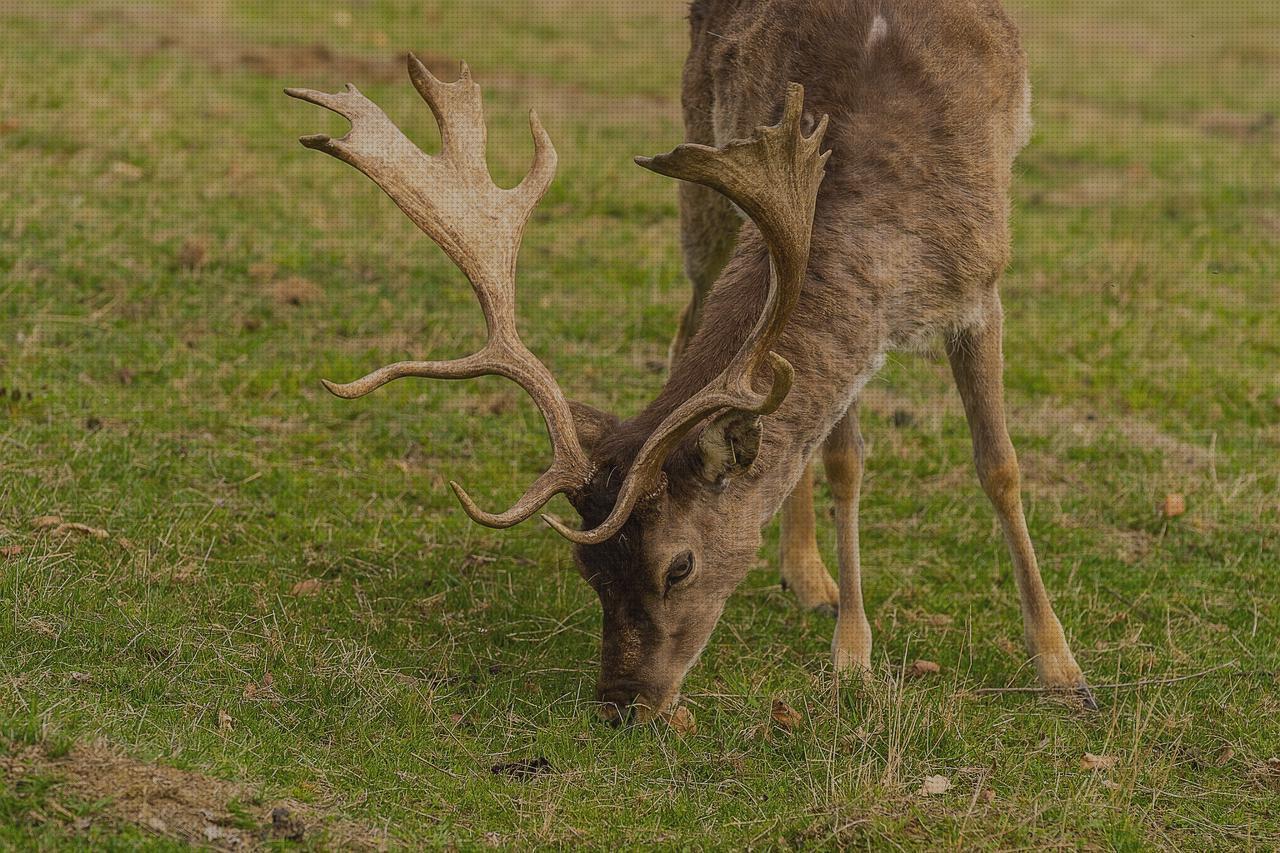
1097, 762
1174, 505
259, 690
306, 588
987, 796
225, 723
1224, 756
10, 550
46, 521
681, 720
82, 529
784, 715
186, 572
526, 769
81, 678
922, 668
935, 785
43, 627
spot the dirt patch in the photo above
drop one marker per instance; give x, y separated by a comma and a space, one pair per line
296, 291
1244, 127
1086, 428
1053, 419
183, 805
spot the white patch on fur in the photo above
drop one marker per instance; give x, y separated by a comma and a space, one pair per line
1022, 130
879, 29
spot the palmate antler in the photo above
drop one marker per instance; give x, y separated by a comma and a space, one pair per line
453, 199
773, 177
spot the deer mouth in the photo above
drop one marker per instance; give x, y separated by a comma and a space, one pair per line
623, 706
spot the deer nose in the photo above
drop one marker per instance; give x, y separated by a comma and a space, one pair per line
616, 704
621, 703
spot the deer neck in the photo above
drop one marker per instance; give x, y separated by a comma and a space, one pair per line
821, 393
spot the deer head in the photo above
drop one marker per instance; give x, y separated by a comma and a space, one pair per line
665, 536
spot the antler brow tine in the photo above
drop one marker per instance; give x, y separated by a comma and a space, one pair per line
479, 225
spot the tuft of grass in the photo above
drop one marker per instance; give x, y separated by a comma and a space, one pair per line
177, 274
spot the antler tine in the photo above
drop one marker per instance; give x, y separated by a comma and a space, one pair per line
774, 178
479, 225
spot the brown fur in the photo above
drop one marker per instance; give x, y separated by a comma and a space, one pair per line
928, 105
909, 239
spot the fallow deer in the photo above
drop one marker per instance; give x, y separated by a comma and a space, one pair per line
903, 242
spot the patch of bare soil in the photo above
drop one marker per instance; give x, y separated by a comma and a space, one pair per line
1245, 127
1053, 419
183, 805
296, 291
1178, 455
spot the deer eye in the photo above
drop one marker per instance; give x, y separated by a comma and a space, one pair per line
680, 568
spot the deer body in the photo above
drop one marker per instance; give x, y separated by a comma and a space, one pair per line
792, 313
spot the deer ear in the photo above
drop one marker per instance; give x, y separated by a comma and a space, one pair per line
728, 446
591, 424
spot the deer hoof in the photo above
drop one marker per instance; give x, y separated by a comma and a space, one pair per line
1085, 696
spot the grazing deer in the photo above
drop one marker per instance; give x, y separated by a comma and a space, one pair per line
903, 241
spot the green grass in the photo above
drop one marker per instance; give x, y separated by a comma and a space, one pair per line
177, 406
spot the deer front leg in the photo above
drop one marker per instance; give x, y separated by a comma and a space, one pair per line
978, 366
802, 568
843, 456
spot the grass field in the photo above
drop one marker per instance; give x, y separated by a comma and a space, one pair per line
280, 606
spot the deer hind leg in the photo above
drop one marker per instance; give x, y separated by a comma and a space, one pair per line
802, 568
843, 456
978, 366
